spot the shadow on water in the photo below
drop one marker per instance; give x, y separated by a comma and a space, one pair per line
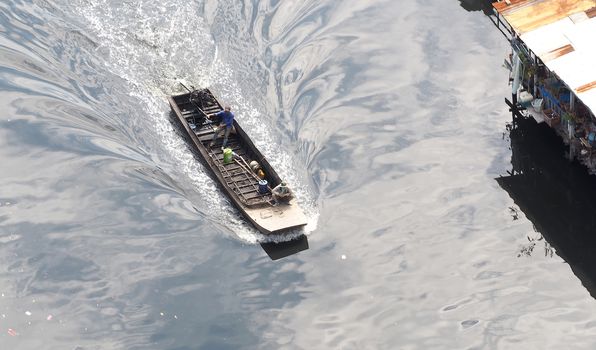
478, 5
283, 249
557, 196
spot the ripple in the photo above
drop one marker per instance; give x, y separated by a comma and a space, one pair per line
383, 117
468, 323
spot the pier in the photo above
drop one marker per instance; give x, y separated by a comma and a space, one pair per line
552, 67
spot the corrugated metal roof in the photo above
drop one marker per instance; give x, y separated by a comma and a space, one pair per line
563, 34
527, 15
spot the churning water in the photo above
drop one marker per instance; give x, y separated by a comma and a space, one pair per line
386, 117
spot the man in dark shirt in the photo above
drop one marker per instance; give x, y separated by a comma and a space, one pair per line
227, 120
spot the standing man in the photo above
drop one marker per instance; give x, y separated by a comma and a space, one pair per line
227, 120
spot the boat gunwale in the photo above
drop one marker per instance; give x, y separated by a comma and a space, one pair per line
249, 145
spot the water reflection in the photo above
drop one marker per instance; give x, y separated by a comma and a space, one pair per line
557, 196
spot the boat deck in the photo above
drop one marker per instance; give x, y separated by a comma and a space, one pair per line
235, 176
237, 173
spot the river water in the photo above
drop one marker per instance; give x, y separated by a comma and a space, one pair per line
388, 120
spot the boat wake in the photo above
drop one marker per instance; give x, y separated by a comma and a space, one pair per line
155, 46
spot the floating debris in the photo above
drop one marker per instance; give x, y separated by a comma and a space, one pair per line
28, 313
12, 332
343, 257
49, 318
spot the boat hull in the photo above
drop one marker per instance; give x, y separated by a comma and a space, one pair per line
235, 177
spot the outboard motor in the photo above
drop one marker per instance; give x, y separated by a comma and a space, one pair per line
196, 98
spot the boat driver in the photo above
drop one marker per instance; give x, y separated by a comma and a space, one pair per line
282, 193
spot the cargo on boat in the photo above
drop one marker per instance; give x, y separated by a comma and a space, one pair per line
243, 172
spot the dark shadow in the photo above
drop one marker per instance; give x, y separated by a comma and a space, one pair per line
556, 195
283, 249
478, 5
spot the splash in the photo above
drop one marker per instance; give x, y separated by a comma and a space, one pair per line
156, 45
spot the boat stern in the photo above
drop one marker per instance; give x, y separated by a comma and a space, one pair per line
277, 219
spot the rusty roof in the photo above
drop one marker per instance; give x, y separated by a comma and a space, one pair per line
527, 15
562, 33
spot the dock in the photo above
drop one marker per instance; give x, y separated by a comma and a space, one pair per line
552, 67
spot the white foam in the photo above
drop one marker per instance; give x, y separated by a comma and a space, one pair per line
154, 46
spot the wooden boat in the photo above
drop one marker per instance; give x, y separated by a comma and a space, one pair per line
236, 177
